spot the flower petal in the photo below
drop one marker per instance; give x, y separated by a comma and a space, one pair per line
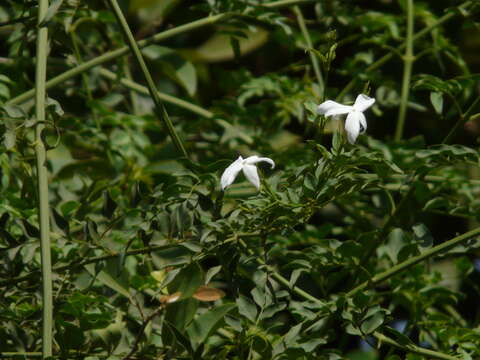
330, 108
363, 122
251, 174
363, 102
352, 126
256, 159
231, 172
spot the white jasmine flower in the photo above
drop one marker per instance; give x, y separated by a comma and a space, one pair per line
356, 123
249, 170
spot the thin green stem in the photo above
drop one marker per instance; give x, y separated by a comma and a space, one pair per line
279, 277
413, 348
377, 64
461, 121
408, 60
78, 58
133, 95
282, 3
160, 110
408, 348
114, 54
313, 58
165, 97
25, 355
447, 245
80, 263
42, 180
388, 222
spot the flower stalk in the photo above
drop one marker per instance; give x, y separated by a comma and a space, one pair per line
42, 180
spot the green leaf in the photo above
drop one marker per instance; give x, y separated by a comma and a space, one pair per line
51, 11
112, 334
176, 67
57, 108
212, 272
109, 205
395, 243
180, 314
181, 339
9, 138
398, 336
14, 111
187, 76
108, 280
69, 336
247, 308
436, 98
291, 336
187, 281
204, 325
31, 230
218, 47
429, 82
423, 236
60, 221
373, 322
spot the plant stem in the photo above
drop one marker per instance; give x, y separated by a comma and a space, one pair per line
279, 277
76, 264
160, 110
313, 58
165, 97
78, 58
133, 95
114, 54
408, 60
462, 120
413, 348
145, 323
281, 3
388, 222
80, 263
377, 64
42, 180
408, 348
413, 261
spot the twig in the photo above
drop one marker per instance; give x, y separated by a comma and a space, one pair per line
149, 318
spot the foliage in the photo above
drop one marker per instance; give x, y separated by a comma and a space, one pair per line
342, 253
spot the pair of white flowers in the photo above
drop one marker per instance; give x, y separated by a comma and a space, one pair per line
355, 124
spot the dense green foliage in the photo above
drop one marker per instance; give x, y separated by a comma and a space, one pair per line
347, 251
